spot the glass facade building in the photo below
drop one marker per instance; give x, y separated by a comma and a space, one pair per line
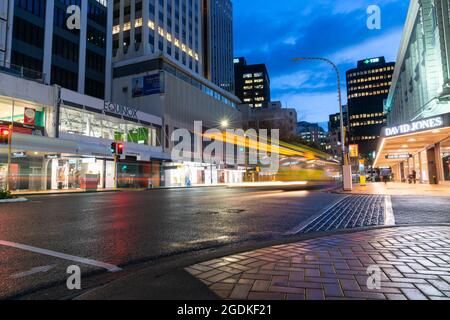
43, 44
367, 88
170, 27
218, 47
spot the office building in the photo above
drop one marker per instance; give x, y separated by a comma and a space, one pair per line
334, 146
43, 47
272, 117
218, 42
252, 83
312, 132
158, 65
367, 88
62, 139
417, 136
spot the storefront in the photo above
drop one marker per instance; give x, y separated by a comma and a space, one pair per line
68, 146
195, 174
421, 147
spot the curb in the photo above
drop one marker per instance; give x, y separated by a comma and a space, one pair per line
155, 270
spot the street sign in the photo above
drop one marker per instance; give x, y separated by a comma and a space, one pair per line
398, 156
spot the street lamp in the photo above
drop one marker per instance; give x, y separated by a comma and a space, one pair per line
224, 124
346, 167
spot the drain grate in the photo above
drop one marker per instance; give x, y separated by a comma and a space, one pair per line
351, 212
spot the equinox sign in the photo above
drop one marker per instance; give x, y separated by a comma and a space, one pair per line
421, 125
125, 111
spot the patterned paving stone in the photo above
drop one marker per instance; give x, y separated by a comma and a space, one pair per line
351, 212
335, 267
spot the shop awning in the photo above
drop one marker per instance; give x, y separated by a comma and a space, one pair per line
404, 141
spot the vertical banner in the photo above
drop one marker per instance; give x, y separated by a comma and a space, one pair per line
29, 117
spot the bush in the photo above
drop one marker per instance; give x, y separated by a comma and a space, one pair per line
5, 194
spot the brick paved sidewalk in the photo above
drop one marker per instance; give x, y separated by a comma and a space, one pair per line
415, 264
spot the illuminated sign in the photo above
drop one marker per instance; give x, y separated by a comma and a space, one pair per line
125, 111
398, 156
354, 151
370, 61
416, 126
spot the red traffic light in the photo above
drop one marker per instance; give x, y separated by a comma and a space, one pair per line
120, 148
5, 132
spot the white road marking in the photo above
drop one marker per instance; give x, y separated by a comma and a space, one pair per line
30, 272
107, 266
389, 218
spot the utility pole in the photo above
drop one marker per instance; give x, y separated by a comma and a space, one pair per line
346, 167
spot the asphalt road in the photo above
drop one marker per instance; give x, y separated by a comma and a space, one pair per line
127, 228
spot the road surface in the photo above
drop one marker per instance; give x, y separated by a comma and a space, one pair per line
108, 232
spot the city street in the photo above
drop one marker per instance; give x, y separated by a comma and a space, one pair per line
128, 228
113, 234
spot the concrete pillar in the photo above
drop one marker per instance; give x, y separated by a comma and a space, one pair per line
132, 25
109, 40
121, 20
9, 32
83, 40
145, 28
48, 41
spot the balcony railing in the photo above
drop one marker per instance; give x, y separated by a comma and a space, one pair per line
21, 72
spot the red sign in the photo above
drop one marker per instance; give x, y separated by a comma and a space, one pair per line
29, 117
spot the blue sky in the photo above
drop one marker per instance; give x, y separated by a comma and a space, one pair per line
275, 31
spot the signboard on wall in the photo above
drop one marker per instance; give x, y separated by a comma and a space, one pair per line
416, 126
354, 151
147, 85
29, 117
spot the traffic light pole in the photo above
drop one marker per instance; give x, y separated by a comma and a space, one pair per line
8, 172
115, 171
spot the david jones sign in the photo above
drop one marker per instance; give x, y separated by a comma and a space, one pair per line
431, 123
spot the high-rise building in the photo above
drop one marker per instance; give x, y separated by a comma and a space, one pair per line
252, 83
44, 47
417, 136
367, 88
218, 46
150, 28
158, 65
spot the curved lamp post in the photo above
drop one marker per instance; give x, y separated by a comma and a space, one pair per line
346, 167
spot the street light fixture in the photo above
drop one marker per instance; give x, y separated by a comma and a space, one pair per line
224, 124
346, 167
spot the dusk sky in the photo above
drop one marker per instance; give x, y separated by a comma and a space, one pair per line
274, 32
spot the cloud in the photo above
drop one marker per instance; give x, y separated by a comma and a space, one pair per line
274, 34
386, 45
312, 106
303, 79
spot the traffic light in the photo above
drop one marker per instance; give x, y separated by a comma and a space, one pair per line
4, 135
113, 148
120, 147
